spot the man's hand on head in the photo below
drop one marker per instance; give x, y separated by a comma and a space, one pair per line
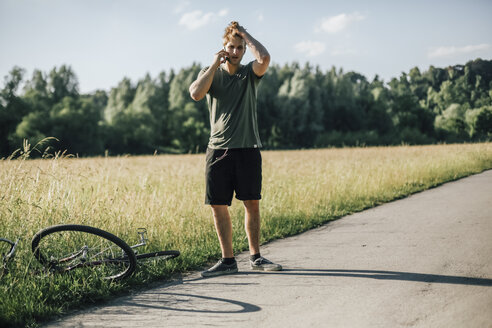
238, 29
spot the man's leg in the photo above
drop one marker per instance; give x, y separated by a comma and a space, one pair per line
252, 225
223, 226
220, 189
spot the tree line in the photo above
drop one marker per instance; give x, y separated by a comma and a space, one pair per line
298, 107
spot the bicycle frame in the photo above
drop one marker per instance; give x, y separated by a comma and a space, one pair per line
142, 232
82, 253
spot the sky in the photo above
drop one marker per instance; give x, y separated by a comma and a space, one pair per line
104, 41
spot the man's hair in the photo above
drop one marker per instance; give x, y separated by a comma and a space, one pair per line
229, 33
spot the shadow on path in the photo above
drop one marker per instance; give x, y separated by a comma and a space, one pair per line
382, 275
192, 303
184, 302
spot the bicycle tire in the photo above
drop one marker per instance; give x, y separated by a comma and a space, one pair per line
112, 251
167, 255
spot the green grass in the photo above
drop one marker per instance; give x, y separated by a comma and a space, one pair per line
301, 190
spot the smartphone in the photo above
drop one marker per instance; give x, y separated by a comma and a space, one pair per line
227, 57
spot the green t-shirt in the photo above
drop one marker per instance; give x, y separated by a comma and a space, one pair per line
232, 105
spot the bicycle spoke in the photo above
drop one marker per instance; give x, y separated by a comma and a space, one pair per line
67, 250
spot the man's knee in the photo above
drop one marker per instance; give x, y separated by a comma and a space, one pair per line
218, 207
220, 212
252, 205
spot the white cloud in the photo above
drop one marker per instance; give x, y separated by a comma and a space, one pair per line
450, 51
335, 24
260, 17
342, 51
196, 19
310, 48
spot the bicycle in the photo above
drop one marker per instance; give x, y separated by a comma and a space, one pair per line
66, 247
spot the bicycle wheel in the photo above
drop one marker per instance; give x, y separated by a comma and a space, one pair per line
66, 247
162, 255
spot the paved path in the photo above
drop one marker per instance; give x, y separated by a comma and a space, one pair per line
423, 261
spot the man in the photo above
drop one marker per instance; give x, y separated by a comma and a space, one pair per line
233, 159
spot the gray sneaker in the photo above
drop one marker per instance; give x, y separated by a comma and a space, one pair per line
263, 264
220, 269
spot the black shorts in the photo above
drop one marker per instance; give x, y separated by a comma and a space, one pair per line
232, 170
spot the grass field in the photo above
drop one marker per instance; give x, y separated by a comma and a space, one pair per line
301, 190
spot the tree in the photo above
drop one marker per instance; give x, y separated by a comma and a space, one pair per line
56, 110
159, 105
479, 122
36, 93
300, 117
75, 123
268, 108
119, 99
190, 127
407, 113
297, 108
452, 121
378, 118
130, 124
12, 109
62, 83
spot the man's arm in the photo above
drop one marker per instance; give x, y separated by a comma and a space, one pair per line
260, 65
199, 88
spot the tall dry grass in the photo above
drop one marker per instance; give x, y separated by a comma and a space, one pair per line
165, 193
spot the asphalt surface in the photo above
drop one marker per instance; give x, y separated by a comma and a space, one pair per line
423, 261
